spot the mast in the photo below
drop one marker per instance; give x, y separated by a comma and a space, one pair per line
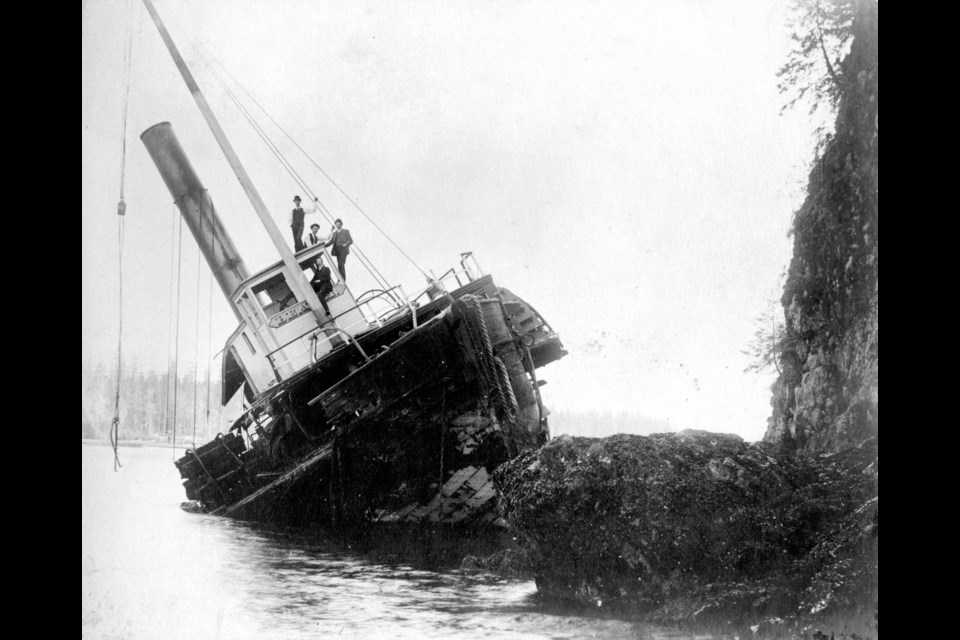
292, 272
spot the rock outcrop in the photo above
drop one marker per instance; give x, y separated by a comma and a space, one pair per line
827, 396
697, 527
703, 529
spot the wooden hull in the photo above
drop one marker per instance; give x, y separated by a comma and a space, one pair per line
411, 435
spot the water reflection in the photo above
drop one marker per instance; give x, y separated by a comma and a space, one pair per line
150, 570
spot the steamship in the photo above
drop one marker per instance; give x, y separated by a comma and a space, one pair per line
376, 406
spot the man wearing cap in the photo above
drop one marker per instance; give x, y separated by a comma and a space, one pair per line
296, 221
340, 240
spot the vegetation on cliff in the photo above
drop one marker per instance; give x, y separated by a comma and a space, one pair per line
704, 529
827, 395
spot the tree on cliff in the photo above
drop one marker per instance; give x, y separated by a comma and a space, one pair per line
827, 396
768, 342
821, 33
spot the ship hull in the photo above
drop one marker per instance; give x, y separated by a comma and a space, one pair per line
411, 434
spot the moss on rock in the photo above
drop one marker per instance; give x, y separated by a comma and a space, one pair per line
697, 527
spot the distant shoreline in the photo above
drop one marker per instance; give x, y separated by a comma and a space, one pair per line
130, 444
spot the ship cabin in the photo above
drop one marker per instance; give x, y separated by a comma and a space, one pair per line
279, 336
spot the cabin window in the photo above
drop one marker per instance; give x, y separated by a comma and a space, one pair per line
274, 294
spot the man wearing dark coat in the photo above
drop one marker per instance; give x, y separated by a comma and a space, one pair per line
340, 240
321, 282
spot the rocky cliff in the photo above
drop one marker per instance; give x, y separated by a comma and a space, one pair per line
827, 396
703, 529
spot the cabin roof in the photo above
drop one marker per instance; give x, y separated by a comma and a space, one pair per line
303, 257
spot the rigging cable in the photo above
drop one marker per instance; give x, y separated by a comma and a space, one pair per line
209, 341
170, 326
325, 174
205, 59
196, 351
176, 343
121, 218
272, 145
285, 163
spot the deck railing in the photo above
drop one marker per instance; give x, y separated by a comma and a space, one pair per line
376, 307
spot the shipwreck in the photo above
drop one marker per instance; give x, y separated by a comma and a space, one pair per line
374, 406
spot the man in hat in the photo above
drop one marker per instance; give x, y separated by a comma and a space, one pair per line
296, 221
340, 240
314, 236
314, 239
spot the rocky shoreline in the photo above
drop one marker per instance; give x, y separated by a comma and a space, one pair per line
772, 539
698, 529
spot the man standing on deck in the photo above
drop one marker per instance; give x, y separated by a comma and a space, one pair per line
296, 221
321, 283
340, 240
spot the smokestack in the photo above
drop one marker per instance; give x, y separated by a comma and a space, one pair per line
197, 208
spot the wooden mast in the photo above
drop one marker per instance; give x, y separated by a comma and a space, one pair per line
294, 275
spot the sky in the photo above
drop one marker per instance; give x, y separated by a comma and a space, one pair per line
623, 166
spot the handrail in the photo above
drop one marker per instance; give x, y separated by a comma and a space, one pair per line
292, 340
379, 294
333, 318
463, 263
451, 271
315, 341
398, 305
350, 339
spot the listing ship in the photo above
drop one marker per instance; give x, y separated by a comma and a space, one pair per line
378, 407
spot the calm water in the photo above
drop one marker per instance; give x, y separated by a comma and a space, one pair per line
150, 570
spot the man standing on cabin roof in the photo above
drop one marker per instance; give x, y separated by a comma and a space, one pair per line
314, 236
296, 221
341, 241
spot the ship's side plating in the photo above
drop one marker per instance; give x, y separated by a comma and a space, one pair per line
412, 435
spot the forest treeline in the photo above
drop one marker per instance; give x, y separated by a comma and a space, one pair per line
147, 404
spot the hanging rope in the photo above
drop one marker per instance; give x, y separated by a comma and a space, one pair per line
115, 424
121, 217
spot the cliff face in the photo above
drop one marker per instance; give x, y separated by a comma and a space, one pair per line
701, 528
827, 397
